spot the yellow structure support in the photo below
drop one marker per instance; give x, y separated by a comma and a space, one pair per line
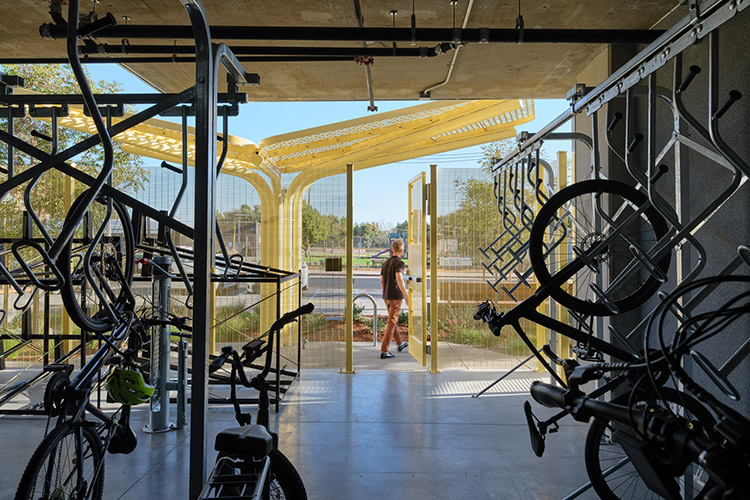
349, 309
67, 324
434, 366
542, 333
319, 152
563, 342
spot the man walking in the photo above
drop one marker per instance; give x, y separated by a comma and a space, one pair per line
394, 291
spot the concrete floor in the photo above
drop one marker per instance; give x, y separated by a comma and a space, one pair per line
385, 432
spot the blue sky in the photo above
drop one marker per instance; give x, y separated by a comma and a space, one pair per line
380, 193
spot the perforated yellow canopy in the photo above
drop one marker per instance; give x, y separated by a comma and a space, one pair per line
374, 140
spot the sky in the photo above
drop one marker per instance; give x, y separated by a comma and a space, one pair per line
380, 193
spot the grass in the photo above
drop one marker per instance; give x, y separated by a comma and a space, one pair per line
236, 322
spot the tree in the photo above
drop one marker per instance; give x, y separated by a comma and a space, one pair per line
128, 174
245, 213
315, 227
494, 151
369, 232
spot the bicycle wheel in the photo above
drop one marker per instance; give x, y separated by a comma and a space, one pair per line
112, 266
286, 482
67, 464
566, 229
603, 455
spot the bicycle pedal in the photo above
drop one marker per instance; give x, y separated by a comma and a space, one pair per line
537, 439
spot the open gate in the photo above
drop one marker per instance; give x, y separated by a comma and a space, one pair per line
417, 273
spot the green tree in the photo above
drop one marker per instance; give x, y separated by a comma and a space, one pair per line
369, 232
244, 213
315, 227
494, 151
402, 227
128, 174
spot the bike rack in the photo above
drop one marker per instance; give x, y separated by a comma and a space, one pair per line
374, 314
644, 160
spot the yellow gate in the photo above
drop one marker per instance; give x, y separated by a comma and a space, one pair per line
417, 282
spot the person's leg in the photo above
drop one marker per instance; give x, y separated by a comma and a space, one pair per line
394, 306
396, 336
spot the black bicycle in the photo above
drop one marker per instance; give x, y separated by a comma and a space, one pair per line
69, 462
660, 444
627, 453
250, 464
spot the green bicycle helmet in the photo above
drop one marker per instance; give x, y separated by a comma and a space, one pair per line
128, 387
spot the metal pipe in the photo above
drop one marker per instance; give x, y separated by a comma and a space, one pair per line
314, 34
426, 92
165, 101
166, 60
158, 420
102, 49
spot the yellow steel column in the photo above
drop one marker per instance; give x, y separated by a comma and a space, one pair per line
67, 324
434, 366
542, 333
348, 316
212, 307
563, 342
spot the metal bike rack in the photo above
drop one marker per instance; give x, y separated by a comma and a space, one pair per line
374, 315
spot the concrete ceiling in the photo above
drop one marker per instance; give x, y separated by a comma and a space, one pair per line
492, 70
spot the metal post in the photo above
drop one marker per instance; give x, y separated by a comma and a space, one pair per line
434, 367
160, 348
205, 223
349, 309
181, 385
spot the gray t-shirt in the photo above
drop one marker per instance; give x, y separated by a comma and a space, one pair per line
394, 265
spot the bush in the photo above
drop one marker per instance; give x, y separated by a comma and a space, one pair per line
314, 322
403, 317
357, 313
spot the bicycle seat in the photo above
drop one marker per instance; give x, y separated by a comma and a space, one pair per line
248, 441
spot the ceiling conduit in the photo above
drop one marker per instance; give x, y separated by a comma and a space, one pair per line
425, 94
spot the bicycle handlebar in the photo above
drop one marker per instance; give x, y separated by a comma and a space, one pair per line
726, 464
287, 318
228, 352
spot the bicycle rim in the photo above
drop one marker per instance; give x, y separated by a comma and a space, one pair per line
613, 476
64, 466
592, 225
112, 263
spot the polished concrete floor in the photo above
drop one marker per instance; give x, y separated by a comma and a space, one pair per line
382, 433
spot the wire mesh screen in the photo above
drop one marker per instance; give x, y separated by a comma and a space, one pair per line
324, 248
467, 221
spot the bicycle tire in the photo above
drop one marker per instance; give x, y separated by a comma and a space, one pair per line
636, 290
52, 464
625, 480
286, 482
92, 318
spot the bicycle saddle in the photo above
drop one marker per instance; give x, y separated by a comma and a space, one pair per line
123, 441
248, 441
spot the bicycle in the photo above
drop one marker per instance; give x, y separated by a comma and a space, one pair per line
661, 444
250, 464
69, 461
614, 468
